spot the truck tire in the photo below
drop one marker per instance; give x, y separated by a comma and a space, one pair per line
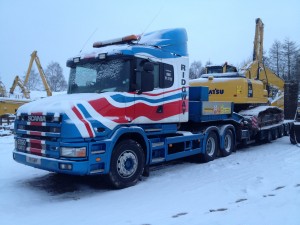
287, 130
292, 136
280, 131
269, 136
275, 134
292, 139
127, 164
211, 147
228, 143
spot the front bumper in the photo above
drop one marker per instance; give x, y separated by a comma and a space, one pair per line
55, 165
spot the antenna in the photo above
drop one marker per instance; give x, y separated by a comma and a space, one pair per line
154, 18
88, 40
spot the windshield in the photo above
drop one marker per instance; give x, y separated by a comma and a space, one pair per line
101, 76
215, 69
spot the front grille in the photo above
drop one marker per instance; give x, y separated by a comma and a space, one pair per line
38, 134
49, 128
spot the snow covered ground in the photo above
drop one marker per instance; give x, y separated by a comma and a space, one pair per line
256, 185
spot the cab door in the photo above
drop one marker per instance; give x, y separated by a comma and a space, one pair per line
148, 105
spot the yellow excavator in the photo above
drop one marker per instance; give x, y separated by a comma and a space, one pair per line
9, 105
253, 85
18, 82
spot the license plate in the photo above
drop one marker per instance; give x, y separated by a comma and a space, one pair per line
33, 160
21, 144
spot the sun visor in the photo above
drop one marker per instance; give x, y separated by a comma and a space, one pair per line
171, 40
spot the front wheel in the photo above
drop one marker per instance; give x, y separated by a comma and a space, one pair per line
127, 164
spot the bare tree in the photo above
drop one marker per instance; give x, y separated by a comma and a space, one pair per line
196, 69
298, 70
34, 82
290, 53
55, 77
275, 60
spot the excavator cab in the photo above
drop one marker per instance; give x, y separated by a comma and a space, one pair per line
225, 68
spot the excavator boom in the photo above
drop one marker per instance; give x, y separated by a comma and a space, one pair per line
18, 82
258, 41
22, 85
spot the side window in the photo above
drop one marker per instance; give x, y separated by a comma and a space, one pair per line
156, 76
139, 68
167, 76
163, 75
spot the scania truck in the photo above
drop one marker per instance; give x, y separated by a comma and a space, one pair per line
129, 106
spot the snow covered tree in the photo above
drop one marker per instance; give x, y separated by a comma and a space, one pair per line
55, 77
196, 69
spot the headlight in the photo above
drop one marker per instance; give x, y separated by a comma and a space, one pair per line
73, 152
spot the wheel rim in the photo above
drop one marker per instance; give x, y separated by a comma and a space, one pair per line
228, 142
127, 164
210, 146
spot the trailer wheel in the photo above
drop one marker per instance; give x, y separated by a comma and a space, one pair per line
127, 163
281, 131
228, 143
292, 136
287, 130
211, 147
293, 140
269, 137
275, 134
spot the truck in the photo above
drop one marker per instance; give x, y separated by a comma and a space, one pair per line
129, 106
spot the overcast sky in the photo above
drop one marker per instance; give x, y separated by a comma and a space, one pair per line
218, 30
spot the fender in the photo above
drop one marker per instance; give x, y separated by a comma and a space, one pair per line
128, 130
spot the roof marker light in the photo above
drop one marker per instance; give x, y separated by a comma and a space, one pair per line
102, 56
122, 40
76, 60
